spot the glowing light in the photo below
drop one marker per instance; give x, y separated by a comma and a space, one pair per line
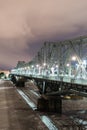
44, 64
68, 65
56, 66
52, 68
32, 66
84, 62
74, 58
77, 64
28, 67
25, 68
37, 65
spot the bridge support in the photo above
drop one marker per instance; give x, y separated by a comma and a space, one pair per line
50, 104
19, 81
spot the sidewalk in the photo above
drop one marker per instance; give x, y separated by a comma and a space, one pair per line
15, 114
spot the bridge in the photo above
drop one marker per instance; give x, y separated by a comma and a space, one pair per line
59, 68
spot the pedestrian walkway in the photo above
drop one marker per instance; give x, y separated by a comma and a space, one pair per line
15, 114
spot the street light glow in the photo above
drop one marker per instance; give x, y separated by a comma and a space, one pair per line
74, 58
32, 66
56, 66
84, 62
37, 65
68, 65
44, 64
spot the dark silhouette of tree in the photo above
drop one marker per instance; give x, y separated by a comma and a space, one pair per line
2, 75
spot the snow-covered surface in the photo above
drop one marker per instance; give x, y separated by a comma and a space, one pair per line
46, 120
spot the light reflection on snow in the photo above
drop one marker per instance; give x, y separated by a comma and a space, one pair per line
35, 93
47, 121
79, 121
29, 102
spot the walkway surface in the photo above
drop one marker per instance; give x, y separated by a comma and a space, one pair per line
15, 114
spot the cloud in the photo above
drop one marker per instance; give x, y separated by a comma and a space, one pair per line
25, 24
32, 19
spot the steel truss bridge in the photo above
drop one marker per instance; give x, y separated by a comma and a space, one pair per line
58, 66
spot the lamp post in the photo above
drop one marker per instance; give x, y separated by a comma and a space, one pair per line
44, 69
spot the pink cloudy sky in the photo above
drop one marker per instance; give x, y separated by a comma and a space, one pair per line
26, 24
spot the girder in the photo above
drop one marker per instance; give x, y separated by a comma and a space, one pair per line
58, 59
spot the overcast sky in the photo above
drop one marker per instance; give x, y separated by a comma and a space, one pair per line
26, 24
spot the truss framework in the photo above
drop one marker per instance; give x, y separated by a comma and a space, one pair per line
65, 58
